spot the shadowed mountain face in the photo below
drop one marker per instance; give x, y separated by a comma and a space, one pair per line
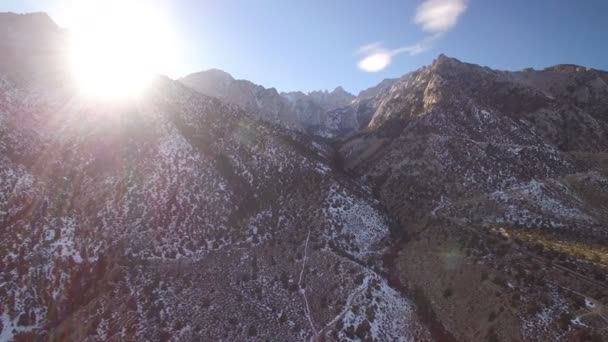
32, 48
465, 204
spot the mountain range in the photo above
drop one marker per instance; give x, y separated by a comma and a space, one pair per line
455, 203
294, 110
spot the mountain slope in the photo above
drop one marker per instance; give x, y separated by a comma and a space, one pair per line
491, 175
175, 216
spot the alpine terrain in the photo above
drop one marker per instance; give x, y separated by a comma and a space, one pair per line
456, 203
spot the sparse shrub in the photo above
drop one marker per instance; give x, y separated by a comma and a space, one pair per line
492, 336
350, 332
339, 324
206, 302
370, 313
132, 304
284, 278
324, 302
587, 336
600, 276
546, 299
283, 318
500, 281
178, 325
533, 309
579, 302
564, 320
514, 299
164, 336
359, 279
502, 249
447, 293
362, 330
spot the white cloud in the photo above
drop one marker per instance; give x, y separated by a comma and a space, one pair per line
437, 16
434, 16
375, 57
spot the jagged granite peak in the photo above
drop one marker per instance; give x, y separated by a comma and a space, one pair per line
373, 91
294, 110
264, 103
331, 100
449, 82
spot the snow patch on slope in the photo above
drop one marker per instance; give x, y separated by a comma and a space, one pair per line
380, 310
364, 227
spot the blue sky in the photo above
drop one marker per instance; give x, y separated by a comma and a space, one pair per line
314, 44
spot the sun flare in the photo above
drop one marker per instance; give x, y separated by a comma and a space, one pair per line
117, 46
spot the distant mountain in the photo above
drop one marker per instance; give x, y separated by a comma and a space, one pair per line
325, 99
357, 114
294, 110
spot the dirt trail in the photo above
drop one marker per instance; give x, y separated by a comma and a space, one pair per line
303, 290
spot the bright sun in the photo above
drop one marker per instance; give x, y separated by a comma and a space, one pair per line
117, 46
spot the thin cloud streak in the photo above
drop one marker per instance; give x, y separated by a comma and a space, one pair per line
420, 47
434, 16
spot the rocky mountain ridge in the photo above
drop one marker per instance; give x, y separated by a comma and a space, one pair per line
493, 175
294, 110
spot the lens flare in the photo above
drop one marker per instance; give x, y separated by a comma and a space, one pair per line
117, 46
